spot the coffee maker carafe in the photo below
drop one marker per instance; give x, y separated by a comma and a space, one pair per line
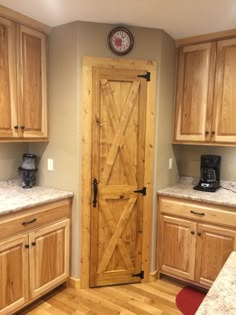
209, 173
28, 170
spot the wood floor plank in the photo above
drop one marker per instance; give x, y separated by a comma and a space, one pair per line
148, 289
109, 307
157, 298
147, 298
124, 302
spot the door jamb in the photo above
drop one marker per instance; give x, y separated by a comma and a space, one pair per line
144, 65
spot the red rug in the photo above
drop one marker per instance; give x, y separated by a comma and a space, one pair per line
189, 299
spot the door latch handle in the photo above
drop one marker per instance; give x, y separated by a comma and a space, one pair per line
95, 192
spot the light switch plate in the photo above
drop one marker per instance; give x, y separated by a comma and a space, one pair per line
50, 165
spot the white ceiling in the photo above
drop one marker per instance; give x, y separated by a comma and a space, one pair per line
179, 18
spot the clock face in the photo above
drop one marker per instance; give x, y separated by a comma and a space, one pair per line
121, 41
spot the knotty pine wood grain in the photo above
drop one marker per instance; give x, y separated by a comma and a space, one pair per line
89, 63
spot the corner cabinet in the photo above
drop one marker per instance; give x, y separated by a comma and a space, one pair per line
205, 96
34, 253
23, 93
194, 239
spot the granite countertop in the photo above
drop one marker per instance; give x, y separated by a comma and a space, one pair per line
13, 197
221, 298
184, 189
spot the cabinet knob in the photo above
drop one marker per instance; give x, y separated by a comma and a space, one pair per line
16, 127
206, 132
26, 245
192, 232
33, 243
213, 132
22, 127
199, 233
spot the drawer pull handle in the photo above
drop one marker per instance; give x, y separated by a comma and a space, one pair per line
197, 213
28, 222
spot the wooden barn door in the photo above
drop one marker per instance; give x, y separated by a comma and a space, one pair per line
119, 99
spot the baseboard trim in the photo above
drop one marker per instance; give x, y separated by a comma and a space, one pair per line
74, 283
153, 276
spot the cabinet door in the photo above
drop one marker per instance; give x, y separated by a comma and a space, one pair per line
49, 257
8, 106
214, 245
32, 83
178, 245
224, 128
13, 273
195, 92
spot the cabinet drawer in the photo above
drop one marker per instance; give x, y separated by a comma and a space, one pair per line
33, 217
200, 211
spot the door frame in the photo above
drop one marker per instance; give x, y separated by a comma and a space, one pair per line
88, 64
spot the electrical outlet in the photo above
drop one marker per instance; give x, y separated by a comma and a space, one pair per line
50, 165
170, 163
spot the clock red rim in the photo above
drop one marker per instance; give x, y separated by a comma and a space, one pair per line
115, 30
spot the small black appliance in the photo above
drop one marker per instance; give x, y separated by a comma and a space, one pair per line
28, 170
209, 173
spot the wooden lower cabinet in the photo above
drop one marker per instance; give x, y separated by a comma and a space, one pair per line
36, 261
13, 273
189, 248
214, 245
48, 257
178, 246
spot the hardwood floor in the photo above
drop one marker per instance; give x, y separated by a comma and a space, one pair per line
156, 298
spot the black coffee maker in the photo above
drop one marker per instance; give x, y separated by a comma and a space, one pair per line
28, 170
209, 173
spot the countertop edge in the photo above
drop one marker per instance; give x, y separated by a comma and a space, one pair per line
35, 204
199, 199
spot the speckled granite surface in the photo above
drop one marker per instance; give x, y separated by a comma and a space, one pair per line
184, 189
221, 298
13, 197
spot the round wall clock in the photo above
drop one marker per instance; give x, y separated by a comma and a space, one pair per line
121, 41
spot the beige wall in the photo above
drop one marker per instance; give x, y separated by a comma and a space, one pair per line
188, 157
10, 159
67, 45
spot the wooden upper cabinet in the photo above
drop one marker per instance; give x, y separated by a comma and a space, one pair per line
23, 87
206, 97
32, 89
194, 92
224, 126
8, 106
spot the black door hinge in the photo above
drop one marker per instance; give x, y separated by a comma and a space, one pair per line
146, 76
141, 191
140, 274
